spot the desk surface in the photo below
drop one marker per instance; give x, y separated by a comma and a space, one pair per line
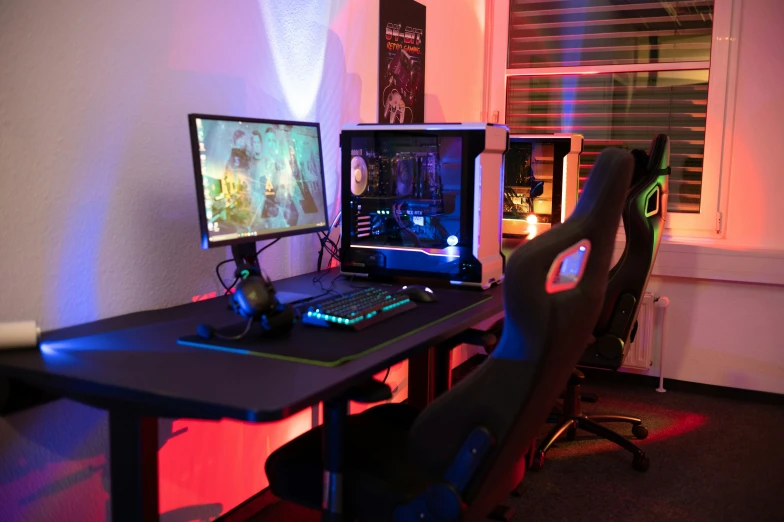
134, 361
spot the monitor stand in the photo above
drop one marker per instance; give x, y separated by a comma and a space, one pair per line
245, 253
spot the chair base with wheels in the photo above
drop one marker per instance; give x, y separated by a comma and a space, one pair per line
572, 418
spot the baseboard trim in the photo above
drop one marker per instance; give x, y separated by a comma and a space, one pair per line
592, 374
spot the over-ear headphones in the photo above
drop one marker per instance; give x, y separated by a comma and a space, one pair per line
254, 299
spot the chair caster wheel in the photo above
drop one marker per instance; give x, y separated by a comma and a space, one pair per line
571, 434
640, 431
537, 462
641, 462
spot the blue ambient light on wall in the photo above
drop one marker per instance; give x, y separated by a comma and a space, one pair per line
297, 37
79, 289
569, 82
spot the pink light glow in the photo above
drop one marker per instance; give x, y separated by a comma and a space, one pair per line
220, 462
675, 424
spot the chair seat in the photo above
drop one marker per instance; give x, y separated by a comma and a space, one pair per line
378, 472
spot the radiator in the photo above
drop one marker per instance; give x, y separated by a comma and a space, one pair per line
640, 353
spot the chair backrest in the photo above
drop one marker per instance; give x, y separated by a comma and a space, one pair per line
553, 289
644, 216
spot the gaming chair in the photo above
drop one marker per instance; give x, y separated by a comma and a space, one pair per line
459, 457
643, 219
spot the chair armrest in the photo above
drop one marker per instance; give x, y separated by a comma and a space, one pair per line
474, 337
369, 392
442, 501
468, 458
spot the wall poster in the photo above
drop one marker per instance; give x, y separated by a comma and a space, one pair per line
401, 82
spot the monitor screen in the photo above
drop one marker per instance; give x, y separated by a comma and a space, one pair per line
257, 179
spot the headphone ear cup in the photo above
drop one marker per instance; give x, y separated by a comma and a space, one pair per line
272, 301
273, 316
280, 321
263, 298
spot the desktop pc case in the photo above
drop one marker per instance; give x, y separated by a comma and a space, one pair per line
551, 161
423, 202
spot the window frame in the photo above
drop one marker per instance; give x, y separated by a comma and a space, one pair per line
722, 66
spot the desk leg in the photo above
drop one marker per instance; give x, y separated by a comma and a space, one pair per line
335, 413
133, 464
429, 375
442, 370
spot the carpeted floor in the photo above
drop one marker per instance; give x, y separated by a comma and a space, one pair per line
712, 459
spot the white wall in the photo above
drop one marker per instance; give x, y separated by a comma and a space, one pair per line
97, 200
756, 215
728, 333
455, 60
722, 333
97, 187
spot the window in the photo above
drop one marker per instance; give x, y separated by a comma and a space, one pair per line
619, 72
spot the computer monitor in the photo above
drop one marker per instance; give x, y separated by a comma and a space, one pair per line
257, 179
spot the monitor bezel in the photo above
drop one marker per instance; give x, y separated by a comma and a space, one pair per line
205, 238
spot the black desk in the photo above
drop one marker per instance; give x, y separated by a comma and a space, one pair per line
133, 367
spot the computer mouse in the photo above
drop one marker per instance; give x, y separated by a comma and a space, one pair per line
419, 293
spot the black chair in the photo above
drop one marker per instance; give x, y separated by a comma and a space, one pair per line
458, 458
643, 218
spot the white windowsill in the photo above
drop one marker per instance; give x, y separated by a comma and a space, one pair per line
709, 259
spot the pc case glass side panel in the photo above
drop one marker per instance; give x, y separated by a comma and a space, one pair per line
405, 191
530, 170
405, 201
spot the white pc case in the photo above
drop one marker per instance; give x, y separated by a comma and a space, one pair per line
423, 201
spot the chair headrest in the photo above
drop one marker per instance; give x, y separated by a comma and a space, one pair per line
649, 165
659, 154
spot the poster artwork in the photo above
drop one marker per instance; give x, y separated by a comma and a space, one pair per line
401, 62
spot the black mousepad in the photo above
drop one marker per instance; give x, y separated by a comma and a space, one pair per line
334, 346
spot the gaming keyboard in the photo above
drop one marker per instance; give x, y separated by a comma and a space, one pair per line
357, 310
